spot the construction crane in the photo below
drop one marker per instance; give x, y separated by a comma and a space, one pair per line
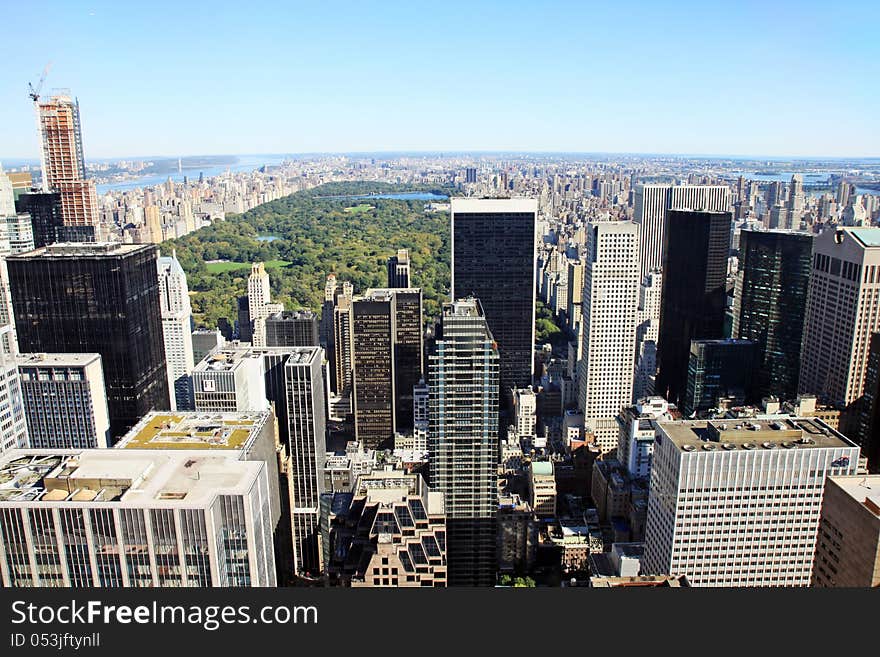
35, 92
35, 96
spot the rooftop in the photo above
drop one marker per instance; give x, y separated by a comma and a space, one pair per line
542, 468
651, 581
156, 478
56, 360
863, 489
83, 249
194, 430
291, 315
384, 292
493, 205
752, 434
224, 360
867, 236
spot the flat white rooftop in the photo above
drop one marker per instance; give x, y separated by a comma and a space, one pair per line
493, 205
130, 478
56, 360
864, 489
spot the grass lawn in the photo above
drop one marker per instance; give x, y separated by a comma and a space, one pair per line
363, 207
219, 267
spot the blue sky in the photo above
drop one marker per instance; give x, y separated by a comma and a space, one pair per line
185, 78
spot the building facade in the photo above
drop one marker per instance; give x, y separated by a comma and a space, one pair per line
694, 299
608, 328
63, 164
307, 421
292, 328
841, 314
374, 377
399, 269
139, 518
651, 207
176, 331
772, 282
848, 547
737, 503
103, 298
65, 402
719, 369
229, 381
463, 375
493, 259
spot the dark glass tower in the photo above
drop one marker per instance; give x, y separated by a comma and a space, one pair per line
865, 429
245, 330
292, 328
696, 246
771, 299
104, 298
463, 439
398, 269
374, 390
493, 259
719, 368
45, 211
408, 349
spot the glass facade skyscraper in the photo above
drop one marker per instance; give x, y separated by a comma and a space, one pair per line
101, 298
463, 378
696, 246
771, 300
493, 259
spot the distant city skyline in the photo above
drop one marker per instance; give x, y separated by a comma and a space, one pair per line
479, 77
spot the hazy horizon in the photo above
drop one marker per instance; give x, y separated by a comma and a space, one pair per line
772, 158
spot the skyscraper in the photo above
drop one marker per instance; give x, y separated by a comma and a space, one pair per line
398, 269
307, 420
64, 400
421, 417
848, 547
737, 504
865, 425
160, 518
16, 229
63, 164
609, 306
463, 374
292, 328
230, 381
652, 205
694, 296
716, 369
408, 349
374, 379
342, 363
47, 221
260, 304
177, 331
14, 429
647, 333
104, 298
770, 302
841, 314
493, 259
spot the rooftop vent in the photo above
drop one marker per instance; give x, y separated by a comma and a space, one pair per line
728, 446
768, 445
748, 445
